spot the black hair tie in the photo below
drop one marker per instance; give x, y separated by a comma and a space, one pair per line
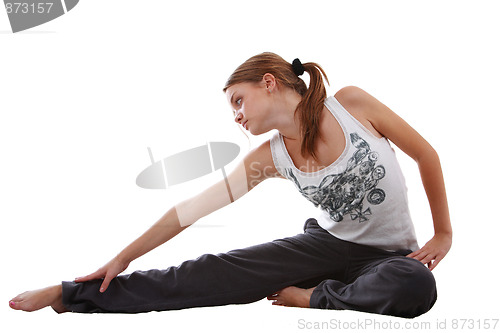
297, 67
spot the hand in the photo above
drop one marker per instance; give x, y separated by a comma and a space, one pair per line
108, 272
433, 251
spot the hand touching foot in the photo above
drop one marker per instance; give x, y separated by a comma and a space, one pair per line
292, 296
38, 299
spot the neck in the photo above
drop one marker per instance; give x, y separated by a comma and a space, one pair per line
288, 123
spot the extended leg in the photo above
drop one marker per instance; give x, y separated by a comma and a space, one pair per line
239, 276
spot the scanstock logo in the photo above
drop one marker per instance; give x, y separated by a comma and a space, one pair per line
26, 14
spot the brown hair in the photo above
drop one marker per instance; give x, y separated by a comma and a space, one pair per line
310, 106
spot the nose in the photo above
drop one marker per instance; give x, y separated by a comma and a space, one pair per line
238, 118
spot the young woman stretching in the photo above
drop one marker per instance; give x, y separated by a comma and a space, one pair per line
360, 253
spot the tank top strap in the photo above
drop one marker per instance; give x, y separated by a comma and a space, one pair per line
346, 120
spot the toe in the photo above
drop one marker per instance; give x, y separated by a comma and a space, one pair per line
16, 301
18, 298
18, 305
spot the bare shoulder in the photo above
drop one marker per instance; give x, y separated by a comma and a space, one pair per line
379, 118
361, 105
350, 94
354, 98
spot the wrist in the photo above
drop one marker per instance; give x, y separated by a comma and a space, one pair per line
444, 232
123, 259
443, 228
444, 235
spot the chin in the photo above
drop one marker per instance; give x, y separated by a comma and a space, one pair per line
258, 131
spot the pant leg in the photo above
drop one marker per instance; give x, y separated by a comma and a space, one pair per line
239, 276
394, 285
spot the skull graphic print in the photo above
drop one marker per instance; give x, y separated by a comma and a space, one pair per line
343, 194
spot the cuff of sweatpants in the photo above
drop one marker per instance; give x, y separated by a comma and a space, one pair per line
323, 298
317, 294
74, 299
69, 289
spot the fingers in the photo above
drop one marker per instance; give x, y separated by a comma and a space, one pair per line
108, 272
413, 254
433, 251
105, 283
435, 262
419, 255
97, 275
427, 258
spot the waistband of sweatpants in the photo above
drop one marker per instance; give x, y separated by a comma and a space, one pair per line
312, 223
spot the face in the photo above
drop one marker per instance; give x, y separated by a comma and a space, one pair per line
251, 105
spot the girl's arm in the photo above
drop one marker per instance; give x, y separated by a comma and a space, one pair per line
255, 167
409, 141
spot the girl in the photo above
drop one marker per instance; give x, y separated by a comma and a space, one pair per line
360, 253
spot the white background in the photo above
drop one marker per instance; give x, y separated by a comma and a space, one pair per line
83, 96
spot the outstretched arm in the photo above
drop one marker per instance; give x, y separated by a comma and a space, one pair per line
255, 167
409, 141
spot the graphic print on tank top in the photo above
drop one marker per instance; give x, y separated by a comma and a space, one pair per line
343, 194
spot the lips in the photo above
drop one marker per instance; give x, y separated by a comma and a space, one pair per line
245, 125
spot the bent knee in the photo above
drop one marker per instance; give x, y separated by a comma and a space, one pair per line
415, 291
413, 274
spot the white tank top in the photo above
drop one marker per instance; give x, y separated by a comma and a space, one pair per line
362, 196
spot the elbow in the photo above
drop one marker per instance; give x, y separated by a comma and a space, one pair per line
429, 155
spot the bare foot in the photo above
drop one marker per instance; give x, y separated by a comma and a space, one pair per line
38, 299
292, 296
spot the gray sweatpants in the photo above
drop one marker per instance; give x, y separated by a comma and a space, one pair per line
347, 275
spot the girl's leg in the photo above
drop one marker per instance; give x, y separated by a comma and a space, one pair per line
239, 276
397, 286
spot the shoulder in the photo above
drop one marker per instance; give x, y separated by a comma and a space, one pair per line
379, 118
353, 96
362, 105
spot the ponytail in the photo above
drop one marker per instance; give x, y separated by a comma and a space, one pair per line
309, 108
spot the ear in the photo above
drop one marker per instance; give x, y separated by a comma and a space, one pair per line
269, 81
